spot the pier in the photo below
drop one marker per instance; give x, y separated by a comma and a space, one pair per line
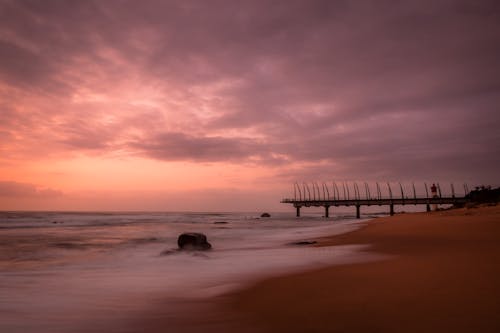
350, 195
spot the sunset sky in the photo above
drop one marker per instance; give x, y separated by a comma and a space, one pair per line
223, 105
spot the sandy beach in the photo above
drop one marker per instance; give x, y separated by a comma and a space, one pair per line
415, 272
439, 272
442, 275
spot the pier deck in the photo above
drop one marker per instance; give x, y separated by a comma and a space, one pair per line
319, 199
373, 202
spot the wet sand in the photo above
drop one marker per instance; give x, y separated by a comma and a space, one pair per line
442, 274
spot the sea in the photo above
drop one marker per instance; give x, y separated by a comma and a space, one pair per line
64, 272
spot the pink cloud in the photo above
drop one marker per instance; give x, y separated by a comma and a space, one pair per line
389, 90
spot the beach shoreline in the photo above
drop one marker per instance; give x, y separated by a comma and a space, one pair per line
439, 273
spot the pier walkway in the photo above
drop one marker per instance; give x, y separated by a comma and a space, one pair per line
312, 196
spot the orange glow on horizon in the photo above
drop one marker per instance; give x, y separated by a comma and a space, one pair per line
86, 173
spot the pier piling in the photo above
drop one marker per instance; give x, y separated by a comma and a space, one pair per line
298, 210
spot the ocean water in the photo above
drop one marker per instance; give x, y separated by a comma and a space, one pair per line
94, 272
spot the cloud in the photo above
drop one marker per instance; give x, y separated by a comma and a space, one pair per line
179, 146
392, 89
25, 190
20, 65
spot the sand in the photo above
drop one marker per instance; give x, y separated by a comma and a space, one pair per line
440, 272
442, 275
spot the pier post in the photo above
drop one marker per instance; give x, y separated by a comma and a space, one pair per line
358, 211
391, 209
428, 207
326, 211
298, 210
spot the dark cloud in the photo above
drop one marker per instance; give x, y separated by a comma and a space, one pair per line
363, 89
21, 65
179, 146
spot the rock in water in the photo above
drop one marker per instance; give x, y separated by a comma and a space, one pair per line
306, 242
193, 241
265, 215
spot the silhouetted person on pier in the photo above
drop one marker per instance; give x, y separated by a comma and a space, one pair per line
434, 191
434, 195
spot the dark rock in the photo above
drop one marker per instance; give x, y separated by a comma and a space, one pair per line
303, 243
193, 241
265, 215
70, 246
221, 222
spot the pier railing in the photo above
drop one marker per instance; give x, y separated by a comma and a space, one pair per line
350, 194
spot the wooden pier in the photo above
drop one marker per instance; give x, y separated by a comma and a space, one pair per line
305, 197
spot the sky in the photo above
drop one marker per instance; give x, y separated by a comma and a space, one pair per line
217, 105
